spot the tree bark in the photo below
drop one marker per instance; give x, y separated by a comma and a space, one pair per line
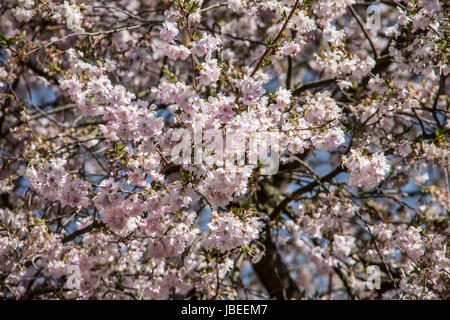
273, 273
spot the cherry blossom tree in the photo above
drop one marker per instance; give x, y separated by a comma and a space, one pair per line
239, 149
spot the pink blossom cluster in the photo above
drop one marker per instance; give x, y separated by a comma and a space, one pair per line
228, 231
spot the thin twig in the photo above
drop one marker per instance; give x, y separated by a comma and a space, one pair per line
94, 34
358, 19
